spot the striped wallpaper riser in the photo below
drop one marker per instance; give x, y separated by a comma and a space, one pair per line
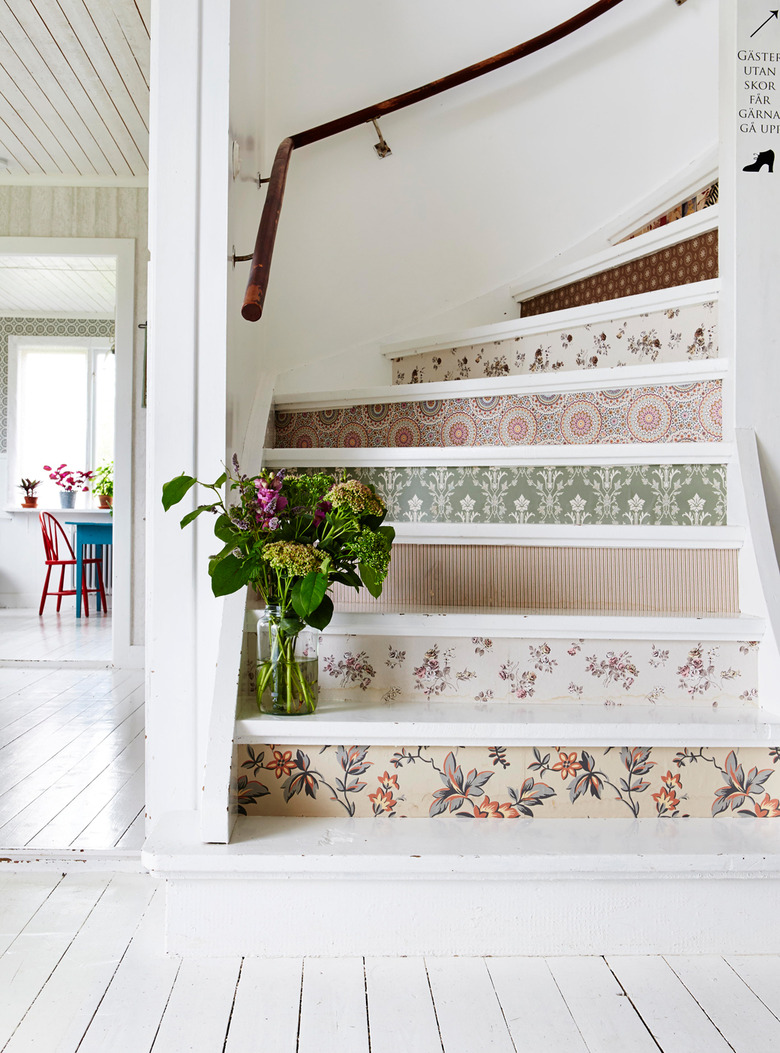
681, 581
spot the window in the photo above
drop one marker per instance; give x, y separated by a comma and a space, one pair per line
64, 407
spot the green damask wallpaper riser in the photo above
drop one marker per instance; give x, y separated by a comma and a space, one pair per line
618, 495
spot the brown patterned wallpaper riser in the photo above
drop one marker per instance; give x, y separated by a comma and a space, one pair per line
694, 260
693, 581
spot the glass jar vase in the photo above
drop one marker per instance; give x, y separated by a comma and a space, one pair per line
287, 665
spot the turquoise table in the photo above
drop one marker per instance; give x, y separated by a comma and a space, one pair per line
97, 534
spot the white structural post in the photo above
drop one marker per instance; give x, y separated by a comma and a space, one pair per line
187, 386
750, 227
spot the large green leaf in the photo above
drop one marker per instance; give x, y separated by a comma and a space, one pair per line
322, 616
224, 530
348, 577
174, 490
388, 532
308, 592
195, 513
371, 579
228, 575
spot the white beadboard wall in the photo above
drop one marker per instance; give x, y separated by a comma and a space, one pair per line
91, 212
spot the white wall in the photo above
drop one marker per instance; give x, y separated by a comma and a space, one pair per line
82, 212
485, 182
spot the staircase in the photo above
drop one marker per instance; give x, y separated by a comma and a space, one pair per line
580, 567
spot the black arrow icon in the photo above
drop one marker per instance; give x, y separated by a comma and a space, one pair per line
774, 14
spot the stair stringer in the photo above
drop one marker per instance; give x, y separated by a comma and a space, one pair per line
759, 574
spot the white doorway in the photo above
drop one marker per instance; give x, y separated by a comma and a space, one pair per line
72, 278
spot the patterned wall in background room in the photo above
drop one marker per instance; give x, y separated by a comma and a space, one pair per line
89, 327
679, 334
496, 782
694, 260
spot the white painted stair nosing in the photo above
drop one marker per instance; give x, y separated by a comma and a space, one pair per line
420, 722
567, 536
504, 624
551, 321
444, 456
452, 887
552, 277
448, 847
611, 377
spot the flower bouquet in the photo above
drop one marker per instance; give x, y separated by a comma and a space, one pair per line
292, 536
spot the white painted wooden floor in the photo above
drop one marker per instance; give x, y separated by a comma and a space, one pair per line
71, 762
26, 636
83, 969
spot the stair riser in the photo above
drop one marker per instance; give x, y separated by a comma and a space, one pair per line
618, 672
616, 495
692, 260
556, 782
683, 334
689, 412
696, 581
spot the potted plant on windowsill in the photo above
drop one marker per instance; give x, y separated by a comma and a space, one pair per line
30, 497
70, 483
103, 485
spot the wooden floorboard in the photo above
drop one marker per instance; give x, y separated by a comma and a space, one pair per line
71, 738
83, 969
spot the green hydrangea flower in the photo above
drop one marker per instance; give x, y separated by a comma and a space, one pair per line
356, 496
292, 558
372, 549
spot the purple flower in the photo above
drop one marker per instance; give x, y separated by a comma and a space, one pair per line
321, 511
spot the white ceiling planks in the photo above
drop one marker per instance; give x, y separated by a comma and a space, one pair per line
76, 285
74, 88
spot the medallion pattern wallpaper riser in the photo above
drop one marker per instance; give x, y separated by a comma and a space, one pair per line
681, 334
576, 495
689, 412
497, 782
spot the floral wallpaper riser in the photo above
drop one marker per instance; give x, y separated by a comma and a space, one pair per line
577, 495
492, 669
496, 782
678, 334
656, 413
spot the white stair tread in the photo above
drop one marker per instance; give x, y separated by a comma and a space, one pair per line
409, 620
525, 384
593, 453
549, 535
452, 847
550, 321
422, 722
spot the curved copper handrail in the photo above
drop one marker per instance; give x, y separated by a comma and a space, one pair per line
266, 234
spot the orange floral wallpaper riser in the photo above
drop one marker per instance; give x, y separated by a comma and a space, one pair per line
499, 782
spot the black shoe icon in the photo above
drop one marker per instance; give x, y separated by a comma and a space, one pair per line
766, 157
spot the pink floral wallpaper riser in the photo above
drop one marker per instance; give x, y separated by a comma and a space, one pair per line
656, 413
496, 782
482, 669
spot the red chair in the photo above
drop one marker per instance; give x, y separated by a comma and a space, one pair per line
55, 540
